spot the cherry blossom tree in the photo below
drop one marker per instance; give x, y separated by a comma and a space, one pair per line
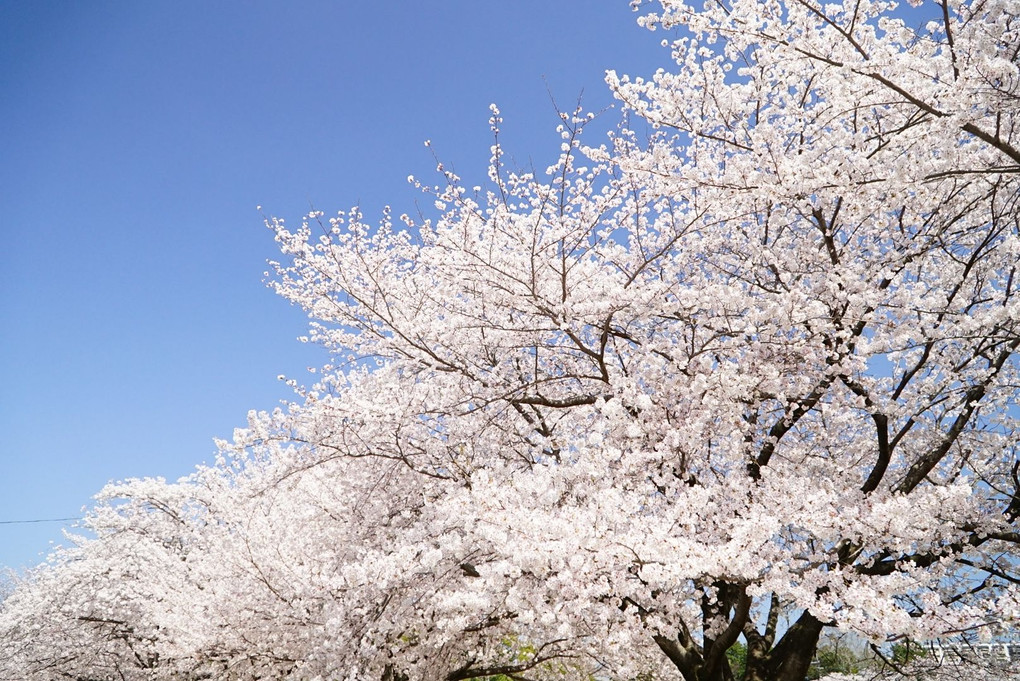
744, 372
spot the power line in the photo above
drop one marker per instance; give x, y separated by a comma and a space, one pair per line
37, 520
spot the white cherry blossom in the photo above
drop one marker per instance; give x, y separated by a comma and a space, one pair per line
746, 378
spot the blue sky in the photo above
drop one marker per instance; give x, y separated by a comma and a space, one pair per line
137, 139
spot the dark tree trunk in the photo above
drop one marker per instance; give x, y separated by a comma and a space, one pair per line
791, 657
391, 674
788, 660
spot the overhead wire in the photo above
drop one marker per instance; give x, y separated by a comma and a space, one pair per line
37, 520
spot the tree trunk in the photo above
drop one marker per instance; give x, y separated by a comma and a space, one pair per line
791, 658
391, 674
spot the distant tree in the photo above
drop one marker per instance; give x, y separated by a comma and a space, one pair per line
756, 367
736, 657
840, 653
907, 652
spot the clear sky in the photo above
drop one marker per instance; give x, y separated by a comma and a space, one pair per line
136, 139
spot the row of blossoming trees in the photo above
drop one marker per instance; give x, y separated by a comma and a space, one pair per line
736, 380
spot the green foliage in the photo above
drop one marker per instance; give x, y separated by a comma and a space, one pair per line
907, 651
830, 661
838, 655
737, 657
